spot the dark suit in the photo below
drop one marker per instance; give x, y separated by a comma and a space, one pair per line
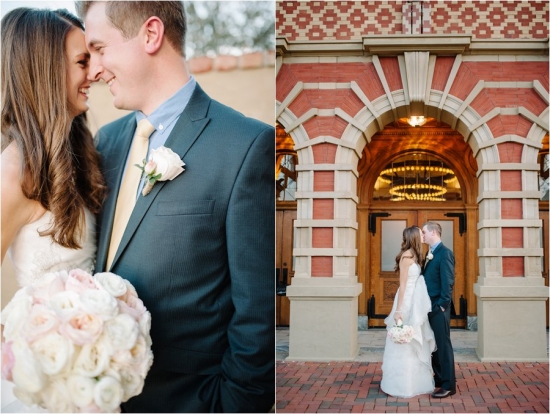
439, 274
200, 252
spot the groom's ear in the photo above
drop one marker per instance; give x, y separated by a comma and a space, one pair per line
154, 34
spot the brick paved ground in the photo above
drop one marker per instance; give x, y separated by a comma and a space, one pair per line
355, 387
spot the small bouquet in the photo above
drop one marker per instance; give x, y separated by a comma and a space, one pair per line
76, 342
401, 334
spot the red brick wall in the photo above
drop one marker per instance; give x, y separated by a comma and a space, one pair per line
323, 209
510, 180
511, 208
321, 266
323, 181
322, 237
512, 266
512, 237
324, 153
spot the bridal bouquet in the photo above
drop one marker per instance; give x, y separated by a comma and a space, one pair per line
76, 342
401, 334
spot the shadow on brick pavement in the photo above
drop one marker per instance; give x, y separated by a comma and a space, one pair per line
333, 387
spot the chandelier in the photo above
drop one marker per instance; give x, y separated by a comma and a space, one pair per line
417, 180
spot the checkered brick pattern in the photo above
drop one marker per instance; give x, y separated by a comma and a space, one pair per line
491, 19
416, 18
351, 20
337, 20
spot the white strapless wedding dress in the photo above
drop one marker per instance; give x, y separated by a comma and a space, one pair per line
33, 256
407, 368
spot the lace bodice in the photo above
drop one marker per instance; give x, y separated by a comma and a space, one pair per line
33, 255
414, 272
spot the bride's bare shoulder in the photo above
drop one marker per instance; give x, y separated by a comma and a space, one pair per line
14, 201
407, 258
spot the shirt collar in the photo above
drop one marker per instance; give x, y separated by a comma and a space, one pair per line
435, 246
171, 109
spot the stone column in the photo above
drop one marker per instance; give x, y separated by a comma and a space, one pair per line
510, 290
324, 292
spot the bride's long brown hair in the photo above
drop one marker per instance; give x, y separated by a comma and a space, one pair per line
413, 242
60, 165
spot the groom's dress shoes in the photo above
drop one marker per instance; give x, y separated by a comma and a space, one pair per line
443, 393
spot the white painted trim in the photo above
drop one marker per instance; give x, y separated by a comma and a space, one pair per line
382, 77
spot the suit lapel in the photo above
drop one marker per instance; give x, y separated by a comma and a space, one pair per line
188, 128
426, 263
114, 160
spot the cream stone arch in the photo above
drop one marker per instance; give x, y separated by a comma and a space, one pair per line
497, 296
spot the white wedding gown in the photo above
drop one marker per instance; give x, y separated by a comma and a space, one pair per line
406, 368
33, 256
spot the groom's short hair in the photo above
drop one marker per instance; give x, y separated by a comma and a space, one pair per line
433, 226
128, 16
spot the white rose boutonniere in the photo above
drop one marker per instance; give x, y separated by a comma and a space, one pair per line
429, 257
163, 165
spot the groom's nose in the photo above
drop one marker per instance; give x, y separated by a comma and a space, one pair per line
96, 70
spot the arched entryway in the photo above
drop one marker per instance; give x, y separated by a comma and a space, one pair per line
407, 176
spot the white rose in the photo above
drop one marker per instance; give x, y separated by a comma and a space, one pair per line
111, 283
82, 327
169, 164
145, 327
53, 351
25, 397
108, 394
64, 303
81, 389
15, 313
57, 398
92, 359
27, 373
99, 302
121, 360
146, 363
132, 384
122, 331
130, 289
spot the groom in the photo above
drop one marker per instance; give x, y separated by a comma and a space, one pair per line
199, 249
439, 274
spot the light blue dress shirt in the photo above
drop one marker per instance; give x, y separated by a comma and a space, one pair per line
164, 118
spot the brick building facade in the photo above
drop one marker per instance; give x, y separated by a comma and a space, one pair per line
352, 77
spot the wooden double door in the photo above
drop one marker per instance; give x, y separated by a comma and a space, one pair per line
385, 231
284, 263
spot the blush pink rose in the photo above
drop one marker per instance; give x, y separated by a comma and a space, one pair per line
40, 321
79, 281
82, 327
150, 167
131, 305
8, 360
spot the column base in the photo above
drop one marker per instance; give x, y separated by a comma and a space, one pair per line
511, 316
323, 319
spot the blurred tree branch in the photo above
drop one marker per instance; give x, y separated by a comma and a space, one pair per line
225, 27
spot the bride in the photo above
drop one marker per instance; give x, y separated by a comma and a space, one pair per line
406, 368
51, 185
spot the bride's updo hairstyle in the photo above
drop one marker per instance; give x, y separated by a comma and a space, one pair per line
60, 165
413, 242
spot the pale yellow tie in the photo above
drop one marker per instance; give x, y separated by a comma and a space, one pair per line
129, 186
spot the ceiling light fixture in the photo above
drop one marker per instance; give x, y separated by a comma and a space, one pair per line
415, 121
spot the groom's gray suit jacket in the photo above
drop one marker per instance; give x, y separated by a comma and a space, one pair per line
200, 252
